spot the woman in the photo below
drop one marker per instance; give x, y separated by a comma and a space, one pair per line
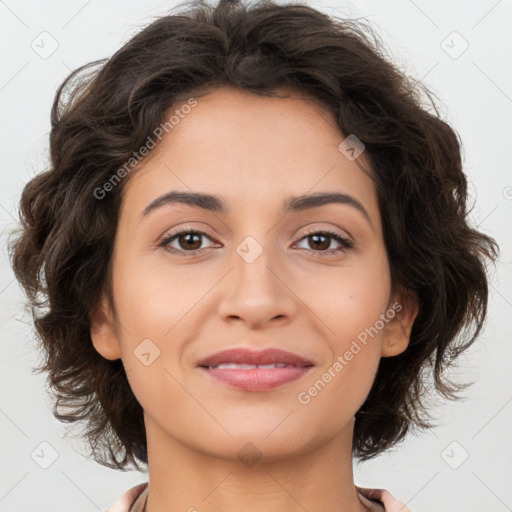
253, 243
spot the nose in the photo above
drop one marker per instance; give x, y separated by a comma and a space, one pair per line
257, 292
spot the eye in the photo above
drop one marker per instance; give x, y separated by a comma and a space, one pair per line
322, 240
188, 241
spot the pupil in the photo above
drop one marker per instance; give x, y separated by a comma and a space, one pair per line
190, 239
316, 239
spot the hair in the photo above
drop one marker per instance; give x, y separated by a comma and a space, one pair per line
107, 109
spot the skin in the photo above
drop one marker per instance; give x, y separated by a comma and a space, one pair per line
254, 152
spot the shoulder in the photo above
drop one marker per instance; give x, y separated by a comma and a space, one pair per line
381, 500
126, 501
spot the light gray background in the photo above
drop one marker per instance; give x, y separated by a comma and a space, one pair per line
476, 90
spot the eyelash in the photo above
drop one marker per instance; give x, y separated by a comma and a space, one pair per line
345, 243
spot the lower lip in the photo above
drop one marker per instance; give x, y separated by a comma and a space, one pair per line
257, 379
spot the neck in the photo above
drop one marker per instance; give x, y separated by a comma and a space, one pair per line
184, 479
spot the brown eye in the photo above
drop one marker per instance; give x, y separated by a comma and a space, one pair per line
189, 241
320, 241
185, 241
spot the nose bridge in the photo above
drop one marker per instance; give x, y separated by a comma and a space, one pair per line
256, 292
253, 262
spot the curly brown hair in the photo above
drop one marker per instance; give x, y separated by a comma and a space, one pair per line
63, 249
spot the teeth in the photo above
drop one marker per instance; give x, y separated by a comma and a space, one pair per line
226, 366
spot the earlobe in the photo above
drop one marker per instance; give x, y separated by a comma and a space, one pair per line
392, 346
397, 332
103, 332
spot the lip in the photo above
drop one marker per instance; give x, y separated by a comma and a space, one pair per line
246, 356
255, 379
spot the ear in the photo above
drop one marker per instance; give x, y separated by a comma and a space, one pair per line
397, 331
104, 335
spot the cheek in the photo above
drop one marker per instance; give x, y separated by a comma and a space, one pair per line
350, 300
154, 301
160, 310
351, 319
352, 309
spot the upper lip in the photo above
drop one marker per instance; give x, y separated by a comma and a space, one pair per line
257, 357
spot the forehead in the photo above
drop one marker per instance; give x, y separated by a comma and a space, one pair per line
252, 150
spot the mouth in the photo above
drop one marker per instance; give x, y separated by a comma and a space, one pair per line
255, 370
224, 366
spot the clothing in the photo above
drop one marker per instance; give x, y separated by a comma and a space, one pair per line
378, 500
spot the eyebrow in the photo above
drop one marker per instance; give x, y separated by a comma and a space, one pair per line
216, 204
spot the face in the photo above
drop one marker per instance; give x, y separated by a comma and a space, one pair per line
255, 268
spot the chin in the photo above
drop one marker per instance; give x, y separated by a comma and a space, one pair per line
251, 446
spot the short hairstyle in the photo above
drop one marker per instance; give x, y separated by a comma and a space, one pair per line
105, 111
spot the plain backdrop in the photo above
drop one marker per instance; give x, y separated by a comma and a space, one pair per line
462, 50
